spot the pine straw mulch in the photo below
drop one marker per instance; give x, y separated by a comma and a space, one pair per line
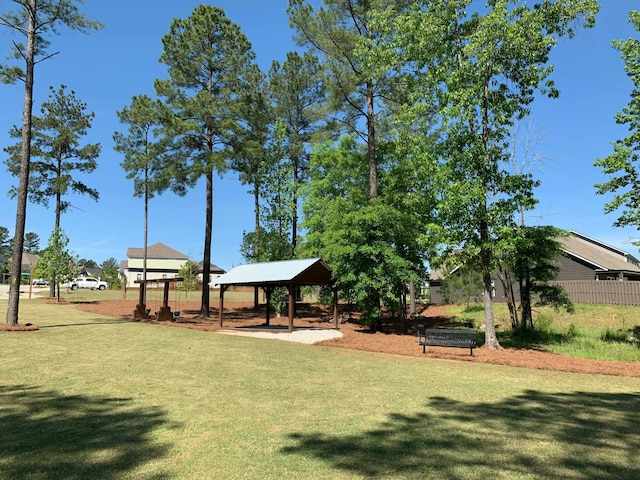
357, 337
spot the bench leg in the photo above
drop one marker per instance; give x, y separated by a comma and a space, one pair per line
424, 349
471, 348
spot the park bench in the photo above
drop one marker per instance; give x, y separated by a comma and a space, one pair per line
440, 337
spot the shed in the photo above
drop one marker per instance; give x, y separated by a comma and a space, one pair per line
287, 273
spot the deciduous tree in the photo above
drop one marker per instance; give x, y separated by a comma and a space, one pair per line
371, 247
110, 272
622, 165
189, 274
57, 264
480, 66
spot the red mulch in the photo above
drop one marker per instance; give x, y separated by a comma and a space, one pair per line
360, 338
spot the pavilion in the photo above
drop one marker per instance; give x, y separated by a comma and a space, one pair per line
287, 273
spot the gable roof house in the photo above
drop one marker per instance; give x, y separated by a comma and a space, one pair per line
585, 258
28, 262
582, 258
162, 262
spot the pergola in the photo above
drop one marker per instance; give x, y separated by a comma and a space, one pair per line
271, 275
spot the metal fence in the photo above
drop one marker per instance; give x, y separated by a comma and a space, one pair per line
612, 292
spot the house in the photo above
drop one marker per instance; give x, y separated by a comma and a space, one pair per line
28, 262
162, 262
585, 258
582, 258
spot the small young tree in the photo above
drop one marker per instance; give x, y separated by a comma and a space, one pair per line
57, 265
110, 273
189, 274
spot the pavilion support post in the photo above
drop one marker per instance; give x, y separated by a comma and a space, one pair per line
268, 291
223, 288
335, 308
292, 304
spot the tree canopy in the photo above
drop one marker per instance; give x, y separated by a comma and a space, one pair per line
622, 165
210, 63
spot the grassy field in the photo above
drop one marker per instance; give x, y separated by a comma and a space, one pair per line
93, 397
601, 332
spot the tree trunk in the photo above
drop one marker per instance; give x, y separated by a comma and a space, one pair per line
525, 302
412, 299
23, 185
371, 144
206, 267
58, 213
256, 243
294, 213
507, 284
145, 234
490, 338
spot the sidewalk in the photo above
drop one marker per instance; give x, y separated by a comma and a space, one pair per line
24, 291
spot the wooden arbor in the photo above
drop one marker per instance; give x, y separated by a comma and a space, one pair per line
288, 273
165, 312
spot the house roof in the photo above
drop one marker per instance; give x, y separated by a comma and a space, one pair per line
157, 250
213, 268
598, 254
29, 258
310, 271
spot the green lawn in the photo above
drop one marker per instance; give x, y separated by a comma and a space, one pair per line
93, 397
579, 334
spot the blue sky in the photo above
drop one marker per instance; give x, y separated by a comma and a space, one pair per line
108, 67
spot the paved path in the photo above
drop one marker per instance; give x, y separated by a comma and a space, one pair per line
306, 335
24, 291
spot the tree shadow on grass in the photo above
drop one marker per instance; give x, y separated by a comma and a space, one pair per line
533, 435
49, 435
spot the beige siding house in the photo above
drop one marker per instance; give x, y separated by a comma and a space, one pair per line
162, 262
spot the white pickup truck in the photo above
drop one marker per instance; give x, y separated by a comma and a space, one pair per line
86, 282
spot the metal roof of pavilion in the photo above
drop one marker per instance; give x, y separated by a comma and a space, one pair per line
310, 271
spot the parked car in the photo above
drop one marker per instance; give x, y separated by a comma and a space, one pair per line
39, 282
86, 282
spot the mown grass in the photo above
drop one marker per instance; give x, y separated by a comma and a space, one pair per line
89, 396
602, 332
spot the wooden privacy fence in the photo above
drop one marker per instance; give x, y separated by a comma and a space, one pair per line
612, 292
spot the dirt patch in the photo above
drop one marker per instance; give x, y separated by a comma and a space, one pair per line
27, 327
356, 337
